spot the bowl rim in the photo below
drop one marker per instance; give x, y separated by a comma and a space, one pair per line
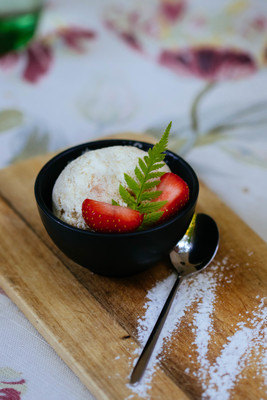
105, 143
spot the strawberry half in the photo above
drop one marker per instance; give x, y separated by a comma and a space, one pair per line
175, 191
106, 218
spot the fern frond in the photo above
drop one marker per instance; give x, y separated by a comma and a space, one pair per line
153, 194
156, 166
127, 197
139, 174
153, 175
142, 165
138, 194
132, 185
151, 207
150, 219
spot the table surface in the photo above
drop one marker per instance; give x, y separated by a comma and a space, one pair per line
99, 325
97, 68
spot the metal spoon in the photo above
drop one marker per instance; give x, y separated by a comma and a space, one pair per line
192, 254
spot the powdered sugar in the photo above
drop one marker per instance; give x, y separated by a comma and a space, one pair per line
246, 343
236, 353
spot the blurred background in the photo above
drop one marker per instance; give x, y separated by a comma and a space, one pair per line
75, 71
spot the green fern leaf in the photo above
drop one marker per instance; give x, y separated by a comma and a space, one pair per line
150, 184
151, 207
142, 165
156, 166
150, 195
139, 174
150, 219
139, 193
132, 185
146, 158
127, 197
153, 175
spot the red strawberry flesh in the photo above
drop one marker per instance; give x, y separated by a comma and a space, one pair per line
107, 218
175, 191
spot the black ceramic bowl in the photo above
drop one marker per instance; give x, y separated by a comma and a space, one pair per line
113, 254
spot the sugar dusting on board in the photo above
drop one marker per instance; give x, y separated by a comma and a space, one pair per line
246, 344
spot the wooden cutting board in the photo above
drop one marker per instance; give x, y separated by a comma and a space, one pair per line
92, 322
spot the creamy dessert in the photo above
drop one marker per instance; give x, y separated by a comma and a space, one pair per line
95, 175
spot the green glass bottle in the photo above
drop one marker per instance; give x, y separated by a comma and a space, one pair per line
18, 22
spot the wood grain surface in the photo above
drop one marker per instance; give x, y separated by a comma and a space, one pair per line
91, 321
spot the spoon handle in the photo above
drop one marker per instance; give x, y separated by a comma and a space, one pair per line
142, 362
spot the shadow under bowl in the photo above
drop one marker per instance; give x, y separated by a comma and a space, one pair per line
111, 254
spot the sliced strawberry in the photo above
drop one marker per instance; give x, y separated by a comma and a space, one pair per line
175, 191
106, 218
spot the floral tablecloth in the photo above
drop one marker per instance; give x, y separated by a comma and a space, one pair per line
103, 67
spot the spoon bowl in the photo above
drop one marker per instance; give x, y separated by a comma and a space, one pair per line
198, 246
191, 255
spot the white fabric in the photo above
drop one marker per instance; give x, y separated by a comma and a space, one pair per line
110, 88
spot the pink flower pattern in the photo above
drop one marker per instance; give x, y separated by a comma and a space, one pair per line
73, 37
131, 40
172, 11
209, 63
39, 54
13, 387
39, 58
9, 394
153, 31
